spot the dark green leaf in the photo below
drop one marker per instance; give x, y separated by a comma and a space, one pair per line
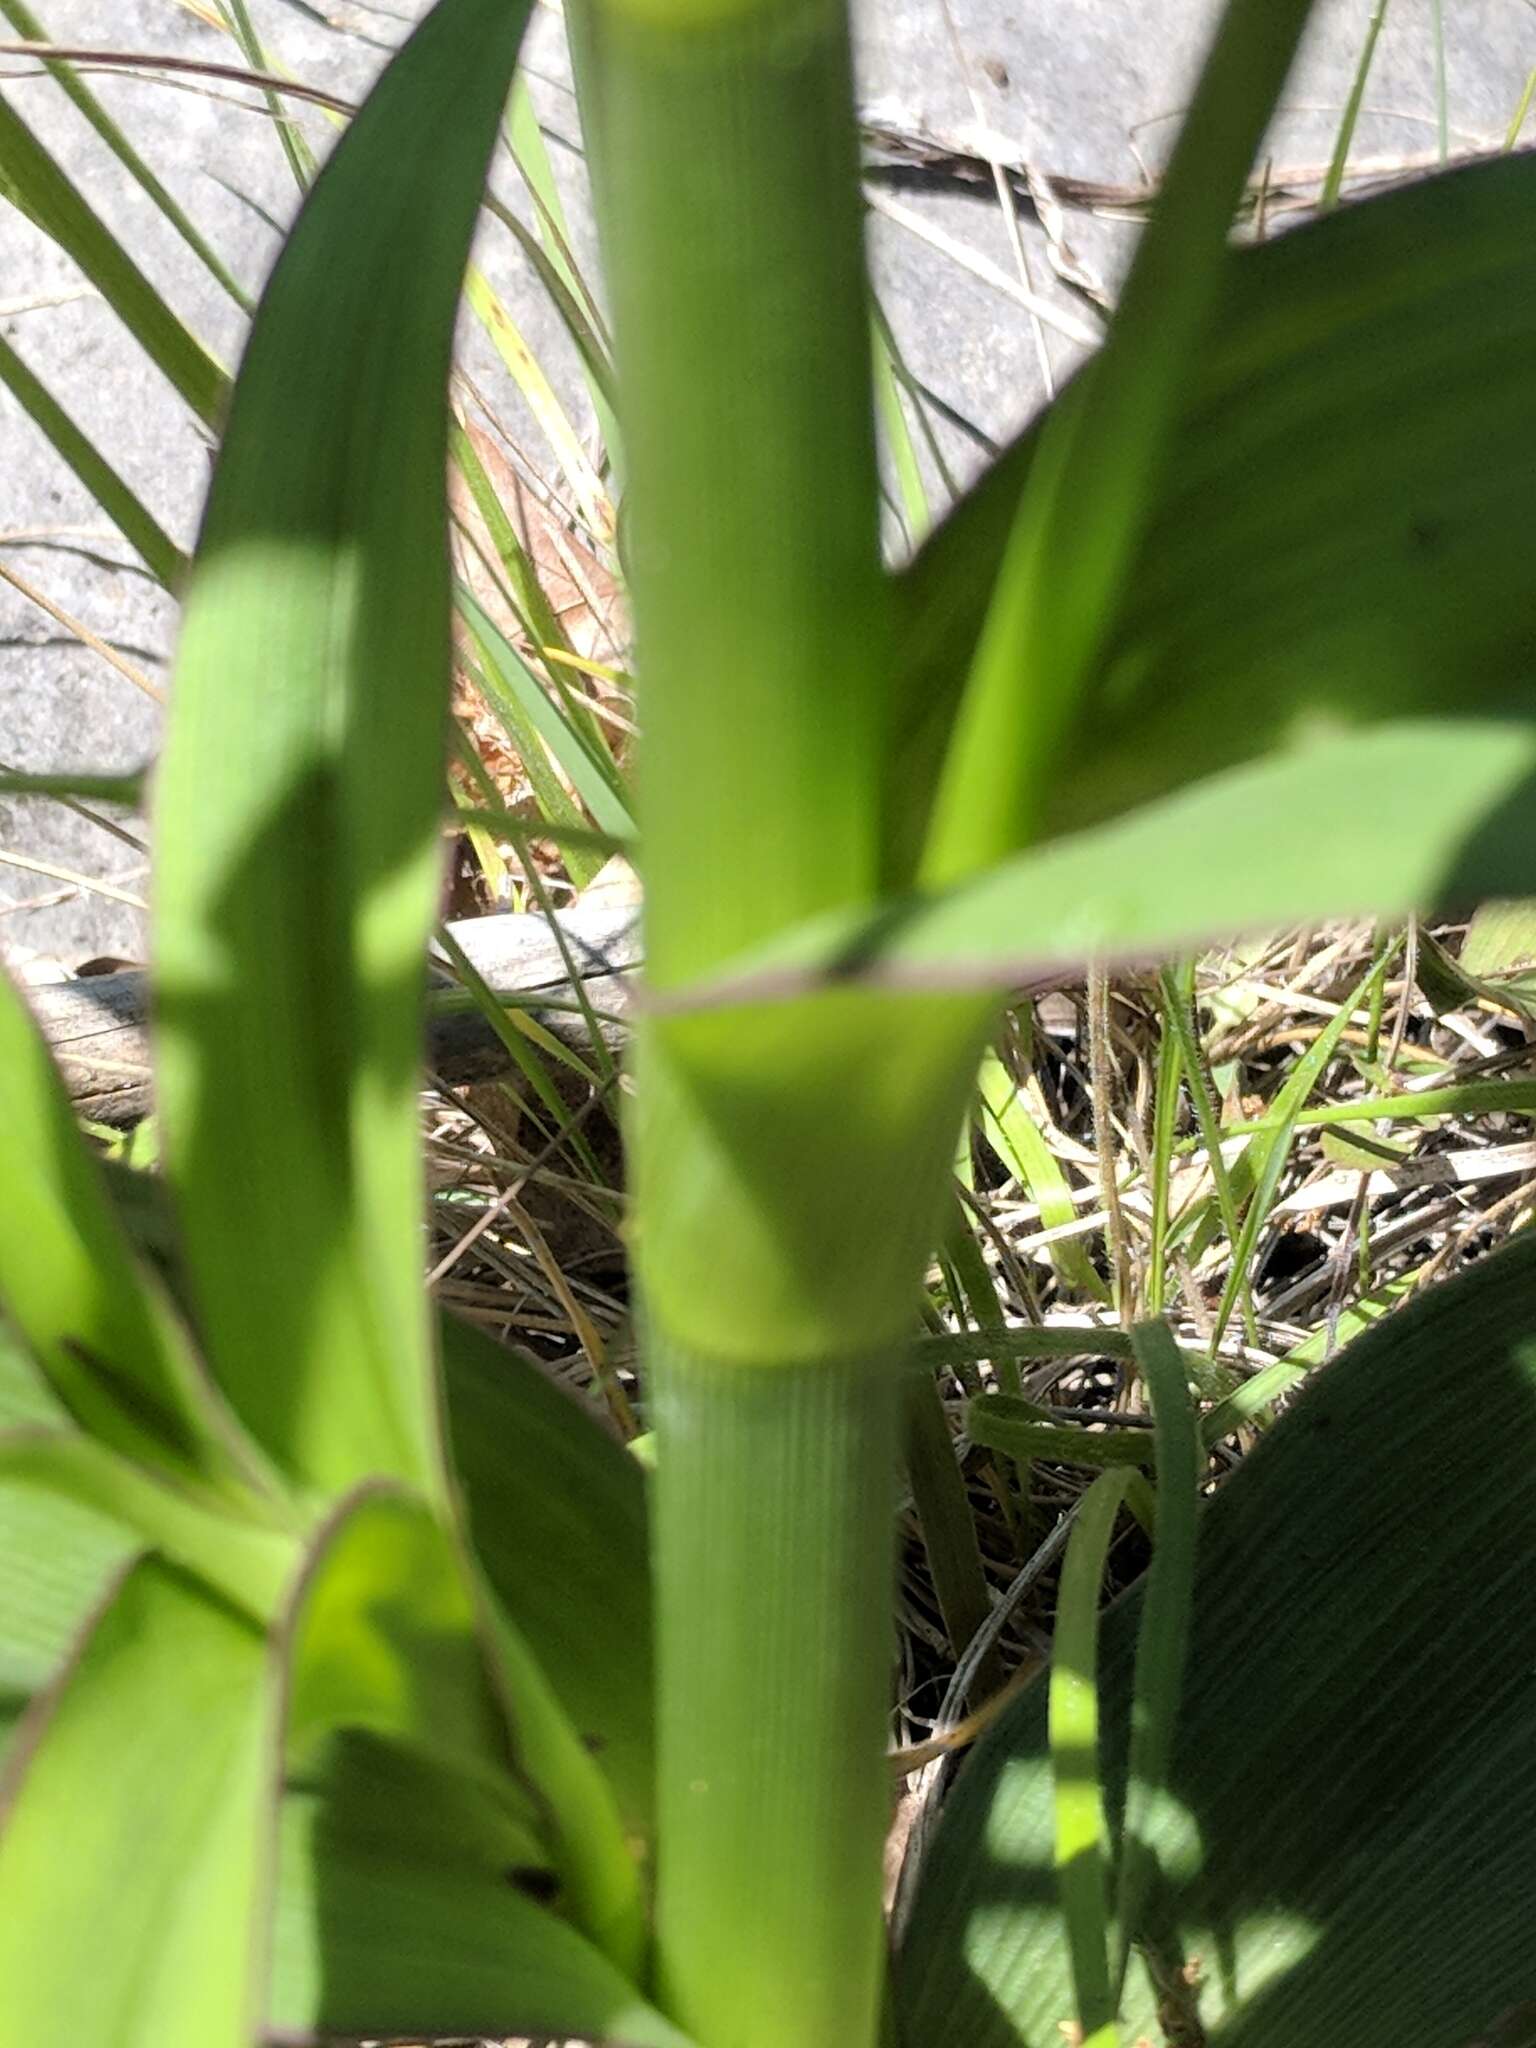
1352, 1795
386, 1636
555, 1509
407, 1910
1339, 535
1097, 475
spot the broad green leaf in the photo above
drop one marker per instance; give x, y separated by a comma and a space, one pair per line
34, 183
555, 1510
385, 1636
1409, 816
57, 1560
1094, 484
134, 1830
56, 1556
1352, 1791
1338, 536
247, 1563
297, 847
408, 1911
112, 1348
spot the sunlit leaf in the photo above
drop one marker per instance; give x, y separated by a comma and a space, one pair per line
1352, 1791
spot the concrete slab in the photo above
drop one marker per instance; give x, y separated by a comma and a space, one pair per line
1082, 88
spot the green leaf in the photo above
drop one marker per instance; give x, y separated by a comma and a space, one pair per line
1163, 1643
162, 557
133, 1849
384, 1636
532, 716
247, 1564
297, 819
34, 183
387, 1636
404, 1912
555, 1510
1080, 1830
1012, 1132
1270, 1145
1408, 816
1352, 1791
1501, 937
69, 81
1338, 535
1094, 483
57, 1560
112, 1348
1020, 1429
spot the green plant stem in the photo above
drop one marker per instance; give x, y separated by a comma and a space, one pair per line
773, 1512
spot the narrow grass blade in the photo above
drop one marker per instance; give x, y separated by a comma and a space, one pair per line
526, 591
164, 560
69, 81
1271, 1143
34, 183
1096, 477
577, 316
1163, 1642
1081, 1831
1165, 1117
1021, 1145
1021, 1429
528, 374
1180, 1029
1459, 1098
301, 158
948, 1527
300, 792
512, 682
1344, 1686
135, 1828
1344, 141
559, 271
898, 437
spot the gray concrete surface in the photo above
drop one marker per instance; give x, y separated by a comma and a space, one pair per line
1081, 88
